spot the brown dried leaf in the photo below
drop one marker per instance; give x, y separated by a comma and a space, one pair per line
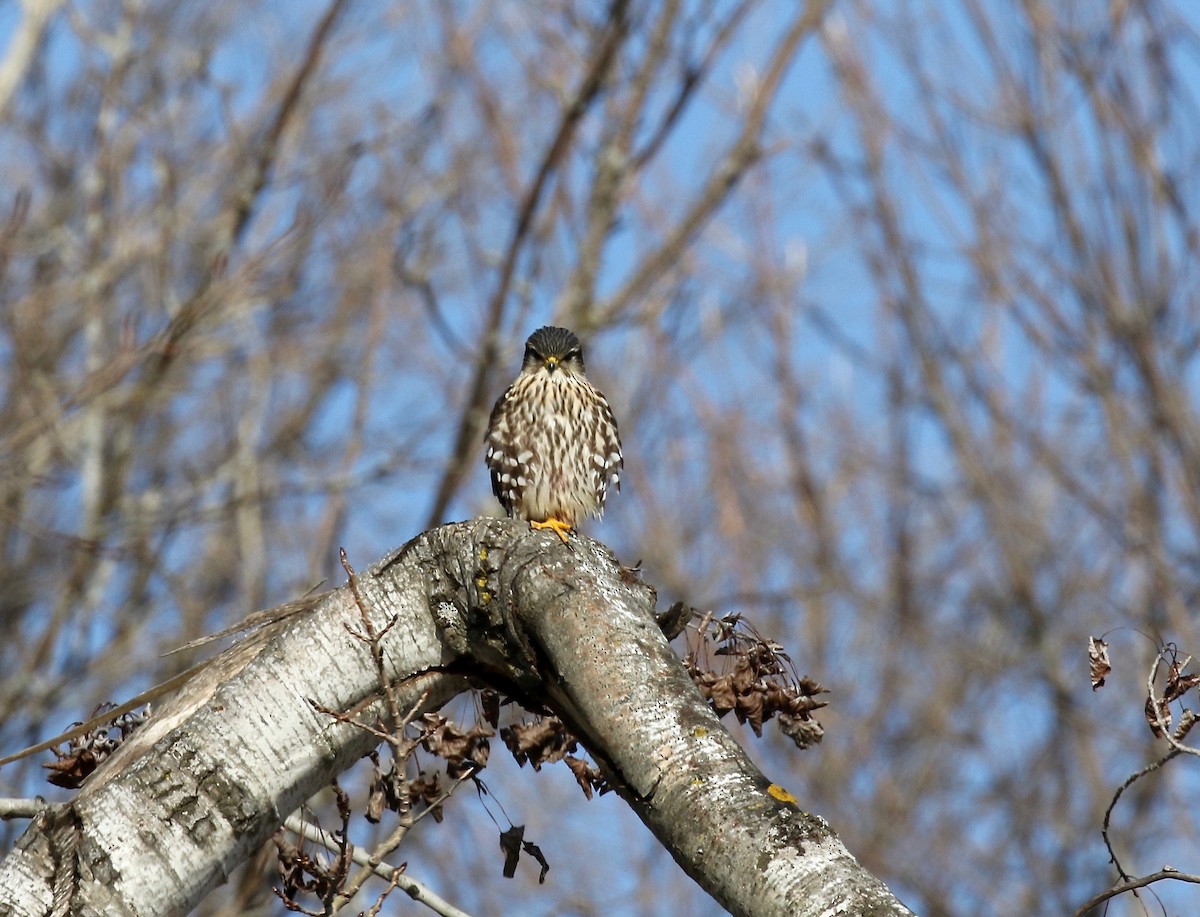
543, 741
447, 741
673, 621
427, 790
71, 770
425, 787
513, 842
299, 871
727, 626
510, 843
587, 776
490, 702
376, 802
802, 730
1186, 721
1178, 684
464, 751
1164, 712
84, 753
536, 852
377, 799
811, 688
759, 681
721, 695
1098, 661
750, 710
744, 676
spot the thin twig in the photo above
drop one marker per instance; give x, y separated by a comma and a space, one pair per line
22, 808
1133, 884
401, 749
1149, 768
374, 639
410, 886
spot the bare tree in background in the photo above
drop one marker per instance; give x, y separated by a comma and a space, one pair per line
899, 325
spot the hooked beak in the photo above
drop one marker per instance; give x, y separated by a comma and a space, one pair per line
551, 363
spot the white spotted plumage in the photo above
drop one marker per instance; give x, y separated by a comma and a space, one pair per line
552, 441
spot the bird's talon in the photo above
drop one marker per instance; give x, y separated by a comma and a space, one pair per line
560, 528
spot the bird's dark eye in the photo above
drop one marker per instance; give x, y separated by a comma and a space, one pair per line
573, 354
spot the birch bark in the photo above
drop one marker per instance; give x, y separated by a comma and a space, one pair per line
196, 790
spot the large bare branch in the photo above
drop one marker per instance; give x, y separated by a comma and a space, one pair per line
195, 791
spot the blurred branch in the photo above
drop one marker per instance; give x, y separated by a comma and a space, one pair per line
727, 173
248, 185
611, 165
157, 355
21, 47
693, 77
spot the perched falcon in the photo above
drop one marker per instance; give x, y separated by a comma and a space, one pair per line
552, 442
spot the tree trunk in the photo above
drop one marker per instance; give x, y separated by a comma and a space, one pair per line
206, 781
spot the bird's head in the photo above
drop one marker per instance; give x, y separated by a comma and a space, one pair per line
553, 350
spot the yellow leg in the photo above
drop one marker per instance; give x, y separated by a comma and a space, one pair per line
560, 528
